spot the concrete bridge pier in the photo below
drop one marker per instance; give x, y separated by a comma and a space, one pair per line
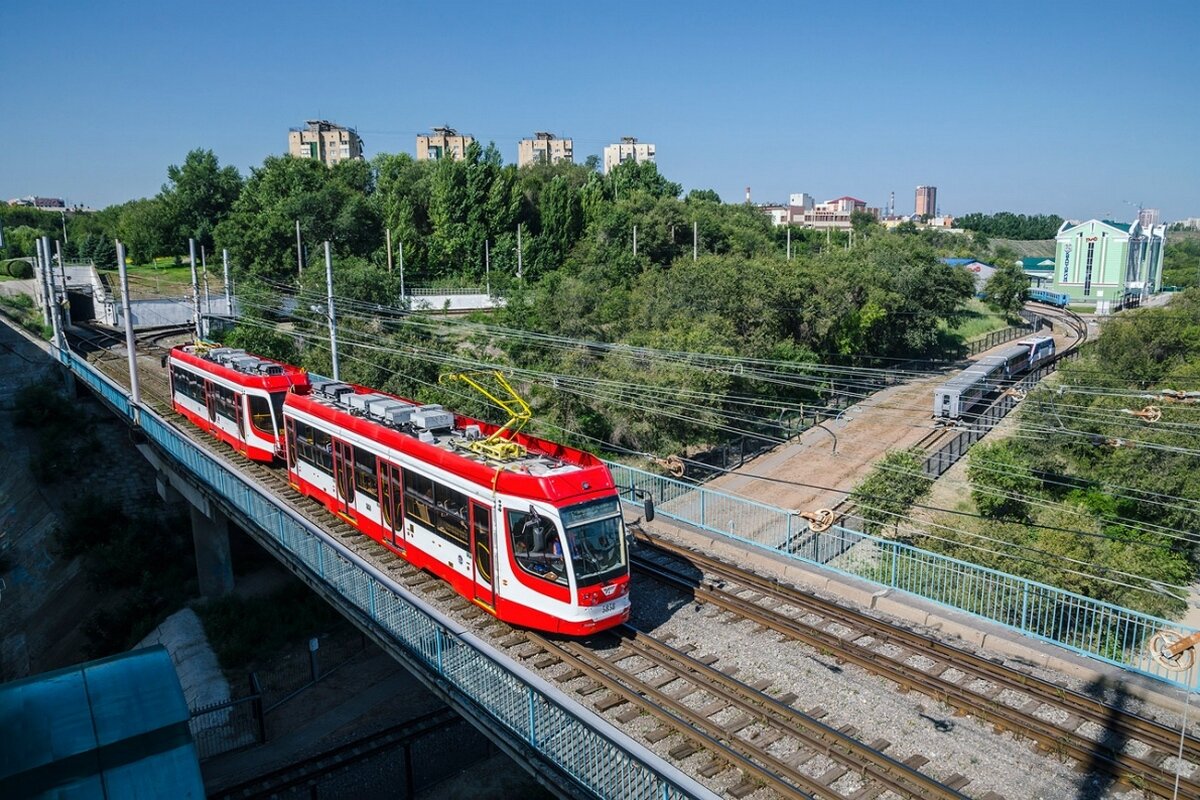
210, 526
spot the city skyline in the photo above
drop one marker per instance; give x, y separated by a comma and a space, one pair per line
992, 120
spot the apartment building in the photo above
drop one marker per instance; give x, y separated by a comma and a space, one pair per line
544, 148
443, 142
925, 204
324, 141
628, 149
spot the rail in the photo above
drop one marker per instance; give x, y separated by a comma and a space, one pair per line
597, 756
1093, 628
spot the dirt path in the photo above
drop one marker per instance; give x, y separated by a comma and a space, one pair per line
898, 417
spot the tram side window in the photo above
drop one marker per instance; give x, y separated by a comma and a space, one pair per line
418, 493
451, 520
225, 401
187, 384
364, 473
260, 416
314, 447
536, 546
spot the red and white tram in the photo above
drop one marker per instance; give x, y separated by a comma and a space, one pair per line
235, 396
537, 540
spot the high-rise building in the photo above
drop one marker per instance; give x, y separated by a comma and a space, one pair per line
544, 148
1148, 217
442, 142
926, 204
324, 141
629, 149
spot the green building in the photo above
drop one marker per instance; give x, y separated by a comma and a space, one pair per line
1109, 263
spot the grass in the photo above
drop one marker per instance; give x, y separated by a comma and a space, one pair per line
1026, 248
165, 276
978, 320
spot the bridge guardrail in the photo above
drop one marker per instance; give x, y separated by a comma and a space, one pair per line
1081, 624
598, 756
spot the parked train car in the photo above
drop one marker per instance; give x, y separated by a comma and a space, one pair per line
957, 396
537, 540
234, 396
1056, 299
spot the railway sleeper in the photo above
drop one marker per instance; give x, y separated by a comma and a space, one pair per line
745, 787
568, 676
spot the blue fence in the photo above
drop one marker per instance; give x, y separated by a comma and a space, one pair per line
599, 757
1091, 627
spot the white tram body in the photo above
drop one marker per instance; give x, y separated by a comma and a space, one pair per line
234, 396
538, 540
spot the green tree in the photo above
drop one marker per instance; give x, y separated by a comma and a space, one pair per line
884, 497
197, 196
1006, 288
145, 227
1001, 481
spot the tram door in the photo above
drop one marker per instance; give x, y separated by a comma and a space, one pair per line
481, 553
343, 474
391, 494
210, 400
239, 413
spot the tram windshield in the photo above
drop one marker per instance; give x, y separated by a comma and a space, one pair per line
594, 540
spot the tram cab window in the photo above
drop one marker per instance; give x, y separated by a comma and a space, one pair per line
260, 416
537, 546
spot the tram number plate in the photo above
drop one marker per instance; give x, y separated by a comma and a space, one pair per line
608, 608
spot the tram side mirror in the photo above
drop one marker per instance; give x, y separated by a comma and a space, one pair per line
648, 510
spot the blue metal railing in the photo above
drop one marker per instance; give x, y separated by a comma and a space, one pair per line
599, 757
1091, 627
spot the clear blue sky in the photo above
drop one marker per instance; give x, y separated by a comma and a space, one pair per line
1069, 107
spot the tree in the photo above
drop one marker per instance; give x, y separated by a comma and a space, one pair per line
1006, 288
1001, 481
197, 196
144, 226
885, 495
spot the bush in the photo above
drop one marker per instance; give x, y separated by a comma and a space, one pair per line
19, 269
241, 629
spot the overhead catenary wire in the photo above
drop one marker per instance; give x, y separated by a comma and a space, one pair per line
958, 542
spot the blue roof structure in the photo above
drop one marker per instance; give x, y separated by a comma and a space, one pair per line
113, 728
957, 262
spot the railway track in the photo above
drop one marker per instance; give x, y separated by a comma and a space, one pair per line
310, 772
792, 752
989, 690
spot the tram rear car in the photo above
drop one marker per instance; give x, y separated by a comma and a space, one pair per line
235, 396
537, 540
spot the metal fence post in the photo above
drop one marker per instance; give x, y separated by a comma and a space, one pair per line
532, 720
1025, 608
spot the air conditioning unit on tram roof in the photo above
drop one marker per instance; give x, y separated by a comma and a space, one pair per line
244, 363
383, 408
360, 402
218, 353
226, 354
432, 418
332, 390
